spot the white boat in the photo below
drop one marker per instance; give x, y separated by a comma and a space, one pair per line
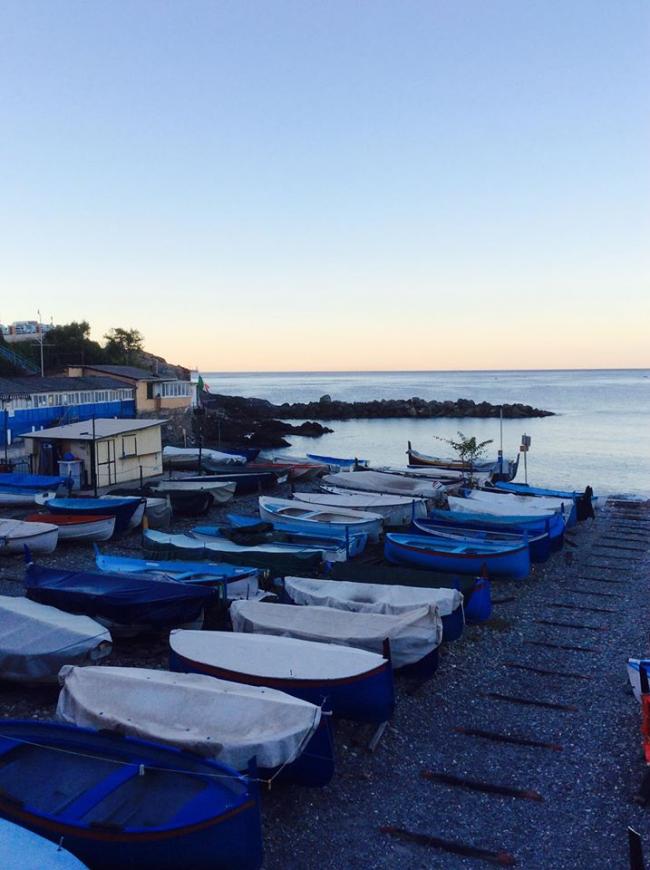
309, 517
75, 527
370, 597
220, 490
447, 478
188, 457
535, 502
16, 498
385, 483
476, 502
198, 713
396, 510
36, 640
634, 676
22, 848
412, 636
39, 537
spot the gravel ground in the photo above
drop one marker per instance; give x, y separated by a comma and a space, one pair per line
584, 789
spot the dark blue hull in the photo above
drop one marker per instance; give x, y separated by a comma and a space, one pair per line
103, 507
120, 802
367, 698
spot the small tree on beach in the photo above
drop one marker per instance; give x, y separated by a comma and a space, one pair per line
469, 450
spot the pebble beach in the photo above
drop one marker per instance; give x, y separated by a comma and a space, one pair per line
523, 750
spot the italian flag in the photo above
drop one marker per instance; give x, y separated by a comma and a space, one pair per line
201, 387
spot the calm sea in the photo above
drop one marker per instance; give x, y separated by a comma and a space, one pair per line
600, 436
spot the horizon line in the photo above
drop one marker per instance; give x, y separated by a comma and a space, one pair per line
408, 371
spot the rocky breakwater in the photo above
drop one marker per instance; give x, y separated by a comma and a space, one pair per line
236, 420
327, 408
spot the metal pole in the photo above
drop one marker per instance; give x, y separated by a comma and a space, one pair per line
6, 431
526, 467
94, 460
40, 334
501, 441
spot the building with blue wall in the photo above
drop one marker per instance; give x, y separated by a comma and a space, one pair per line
31, 403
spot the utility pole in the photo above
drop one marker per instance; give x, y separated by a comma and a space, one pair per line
40, 340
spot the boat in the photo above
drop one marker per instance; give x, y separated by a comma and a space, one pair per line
498, 508
246, 481
299, 469
554, 524
241, 540
302, 515
220, 490
337, 462
184, 503
251, 530
633, 672
128, 512
585, 501
217, 719
466, 557
190, 457
77, 527
504, 469
539, 543
282, 560
509, 504
37, 640
249, 453
25, 849
413, 637
122, 601
15, 534
23, 489
357, 684
157, 508
235, 582
117, 801
378, 598
476, 591
445, 478
396, 510
384, 483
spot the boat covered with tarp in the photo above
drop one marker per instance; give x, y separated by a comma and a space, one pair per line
395, 509
356, 684
128, 512
217, 719
191, 457
477, 598
244, 529
116, 801
36, 640
413, 637
385, 483
585, 501
377, 598
29, 851
469, 556
119, 600
236, 582
509, 504
279, 562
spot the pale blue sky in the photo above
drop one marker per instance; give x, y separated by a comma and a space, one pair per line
332, 185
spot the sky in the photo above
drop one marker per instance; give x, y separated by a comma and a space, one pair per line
333, 185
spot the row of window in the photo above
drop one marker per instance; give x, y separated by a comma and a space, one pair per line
174, 389
81, 397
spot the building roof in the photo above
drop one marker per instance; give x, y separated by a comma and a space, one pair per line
83, 431
27, 384
133, 372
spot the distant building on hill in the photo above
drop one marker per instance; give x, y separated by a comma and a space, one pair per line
31, 403
153, 392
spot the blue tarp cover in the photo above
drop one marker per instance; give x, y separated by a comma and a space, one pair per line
127, 599
30, 481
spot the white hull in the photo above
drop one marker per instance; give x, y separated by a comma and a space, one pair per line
39, 537
101, 530
396, 510
16, 499
498, 507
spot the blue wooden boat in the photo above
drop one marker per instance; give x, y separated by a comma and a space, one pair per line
467, 557
122, 802
354, 542
553, 525
28, 851
356, 684
36, 482
338, 462
202, 573
123, 509
121, 600
539, 543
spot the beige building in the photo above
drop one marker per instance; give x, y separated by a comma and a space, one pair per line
153, 393
117, 449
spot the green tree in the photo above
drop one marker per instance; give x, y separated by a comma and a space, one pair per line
66, 345
467, 449
123, 346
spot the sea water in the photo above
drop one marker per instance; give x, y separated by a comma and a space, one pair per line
599, 434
